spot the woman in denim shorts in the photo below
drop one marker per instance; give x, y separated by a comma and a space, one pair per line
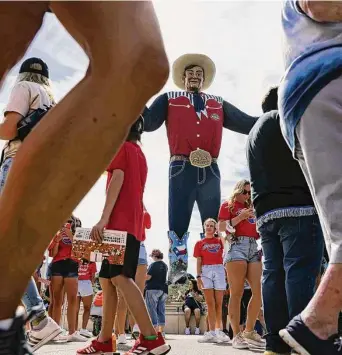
211, 278
242, 261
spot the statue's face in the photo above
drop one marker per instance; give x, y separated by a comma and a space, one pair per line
193, 79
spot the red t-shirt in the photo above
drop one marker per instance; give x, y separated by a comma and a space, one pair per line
127, 214
146, 224
246, 228
210, 250
86, 271
64, 246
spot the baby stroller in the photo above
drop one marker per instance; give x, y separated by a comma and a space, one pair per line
96, 313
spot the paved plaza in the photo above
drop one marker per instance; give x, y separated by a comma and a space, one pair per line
181, 345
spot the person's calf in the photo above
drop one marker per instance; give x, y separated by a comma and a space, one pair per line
135, 303
321, 314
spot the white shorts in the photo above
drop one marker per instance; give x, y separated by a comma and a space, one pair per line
213, 277
85, 288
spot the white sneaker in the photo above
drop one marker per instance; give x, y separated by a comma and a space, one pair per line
224, 338
122, 339
187, 331
76, 337
208, 338
239, 342
86, 333
197, 331
254, 339
37, 338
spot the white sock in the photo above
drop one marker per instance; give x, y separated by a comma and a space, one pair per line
212, 332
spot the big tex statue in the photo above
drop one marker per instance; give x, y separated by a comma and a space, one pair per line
194, 122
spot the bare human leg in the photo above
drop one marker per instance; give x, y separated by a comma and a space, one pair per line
254, 279
101, 108
121, 314
236, 271
197, 314
110, 300
86, 310
210, 301
187, 316
135, 303
57, 288
218, 308
71, 287
140, 279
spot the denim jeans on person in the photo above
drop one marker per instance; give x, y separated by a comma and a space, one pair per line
293, 250
31, 297
155, 303
187, 185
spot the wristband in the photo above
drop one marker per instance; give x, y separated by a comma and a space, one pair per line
198, 276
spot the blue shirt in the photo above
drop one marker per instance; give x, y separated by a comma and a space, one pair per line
313, 58
158, 272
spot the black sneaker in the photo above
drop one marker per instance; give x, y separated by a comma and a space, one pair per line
304, 342
13, 340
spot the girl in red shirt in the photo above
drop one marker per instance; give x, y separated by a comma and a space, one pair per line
64, 275
211, 278
86, 278
242, 261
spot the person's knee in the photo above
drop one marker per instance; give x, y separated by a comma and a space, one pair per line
187, 312
197, 312
86, 307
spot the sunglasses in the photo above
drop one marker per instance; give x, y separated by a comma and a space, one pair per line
246, 192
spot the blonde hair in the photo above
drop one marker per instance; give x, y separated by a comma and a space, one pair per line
210, 220
39, 79
238, 189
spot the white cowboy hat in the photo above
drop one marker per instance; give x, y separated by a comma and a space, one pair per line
201, 60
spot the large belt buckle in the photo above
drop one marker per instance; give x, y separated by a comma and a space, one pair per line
200, 158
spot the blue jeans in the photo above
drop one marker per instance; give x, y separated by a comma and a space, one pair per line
187, 185
155, 303
293, 251
31, 296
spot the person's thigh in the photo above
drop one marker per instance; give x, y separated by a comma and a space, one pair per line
140, 277
302, 241
236, 273
318, 149
94, 108
19, 23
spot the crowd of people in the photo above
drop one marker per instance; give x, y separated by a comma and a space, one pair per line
292, 202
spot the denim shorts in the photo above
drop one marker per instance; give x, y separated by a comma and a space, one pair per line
142, 255
213, 277
244, 249
5, 167
66, 268
85, 288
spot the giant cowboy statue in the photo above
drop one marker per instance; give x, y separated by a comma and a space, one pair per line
194, 122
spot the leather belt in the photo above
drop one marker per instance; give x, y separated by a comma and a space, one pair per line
200, 160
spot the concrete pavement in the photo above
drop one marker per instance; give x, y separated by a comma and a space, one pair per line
181, 345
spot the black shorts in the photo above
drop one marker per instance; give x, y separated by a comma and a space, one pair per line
66, 268
129, 268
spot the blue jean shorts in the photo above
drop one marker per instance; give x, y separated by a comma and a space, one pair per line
142, 255
5, 167
213, 277
244, 249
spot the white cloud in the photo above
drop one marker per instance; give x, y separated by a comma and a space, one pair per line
243, 38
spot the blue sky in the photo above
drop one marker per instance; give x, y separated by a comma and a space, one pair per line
244, 40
